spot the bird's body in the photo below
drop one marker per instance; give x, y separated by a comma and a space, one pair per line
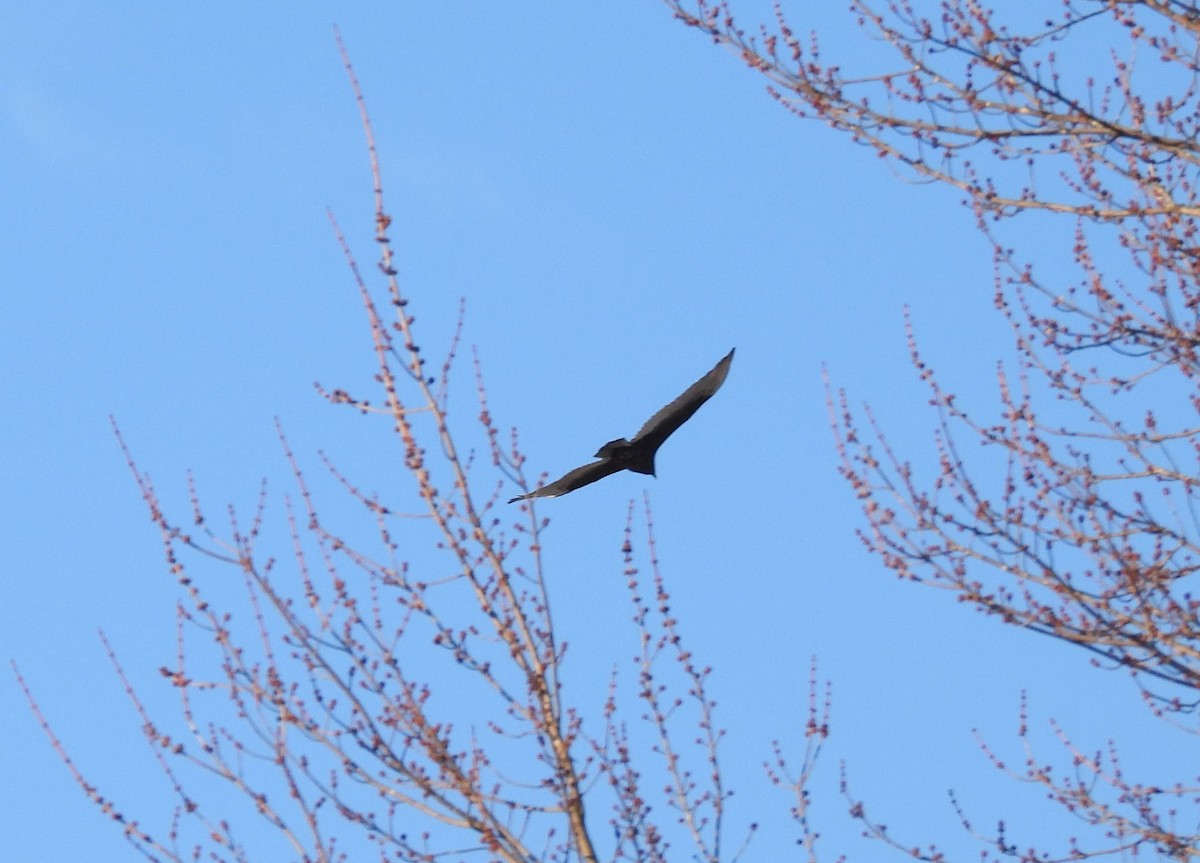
638, 454
629, 455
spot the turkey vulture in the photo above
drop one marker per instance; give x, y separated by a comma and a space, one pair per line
637, 455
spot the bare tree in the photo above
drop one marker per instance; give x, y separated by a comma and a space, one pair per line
320, 695
1083, 524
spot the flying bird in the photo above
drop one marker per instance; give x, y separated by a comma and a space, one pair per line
637, 455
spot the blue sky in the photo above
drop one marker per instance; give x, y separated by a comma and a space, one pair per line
619, 203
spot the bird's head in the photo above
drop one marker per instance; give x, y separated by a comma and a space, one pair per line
612, 447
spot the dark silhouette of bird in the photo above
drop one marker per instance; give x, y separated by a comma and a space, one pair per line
638, 454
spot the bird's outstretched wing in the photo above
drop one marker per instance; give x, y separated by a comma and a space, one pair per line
577, 478
660, 426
